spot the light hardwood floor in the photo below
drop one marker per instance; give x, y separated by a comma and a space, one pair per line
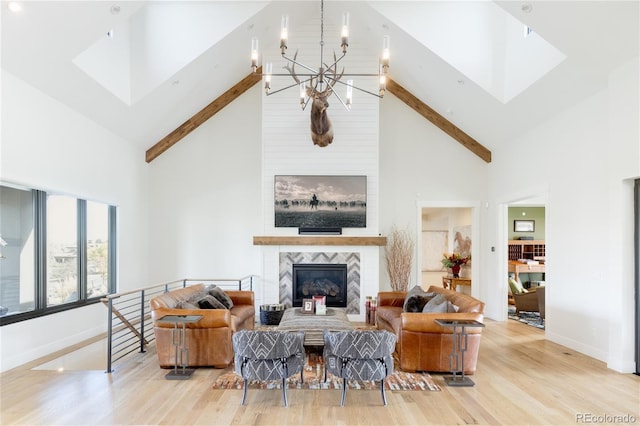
521, 379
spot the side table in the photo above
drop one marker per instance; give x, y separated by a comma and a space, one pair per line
452, 282
460, 340
179, 342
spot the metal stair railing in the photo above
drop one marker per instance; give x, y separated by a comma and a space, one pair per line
129, 325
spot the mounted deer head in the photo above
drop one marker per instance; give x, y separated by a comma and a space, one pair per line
321, 127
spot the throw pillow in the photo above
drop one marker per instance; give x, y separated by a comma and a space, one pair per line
436, 304
195, 297
516, 287
222, 297
210, 302
186, 305
446, 307
414, 290
415, 303
436, 309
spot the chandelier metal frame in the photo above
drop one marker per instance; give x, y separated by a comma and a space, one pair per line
314, 81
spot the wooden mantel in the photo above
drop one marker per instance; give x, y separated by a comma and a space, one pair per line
306, 240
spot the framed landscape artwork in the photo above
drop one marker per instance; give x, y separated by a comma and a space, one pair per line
320, 201
524, 225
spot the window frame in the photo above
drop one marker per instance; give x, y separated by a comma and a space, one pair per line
40, 257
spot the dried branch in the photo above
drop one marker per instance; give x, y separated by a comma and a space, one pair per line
399, 256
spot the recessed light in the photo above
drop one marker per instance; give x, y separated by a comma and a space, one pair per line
526, 7
115, 9
15, 7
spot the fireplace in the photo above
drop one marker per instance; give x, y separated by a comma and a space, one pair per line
352, 259
328, 280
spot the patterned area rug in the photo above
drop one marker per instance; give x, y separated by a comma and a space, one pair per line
314, 379
530, 318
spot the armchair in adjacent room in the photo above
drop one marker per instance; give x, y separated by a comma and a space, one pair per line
541, 301
525, 300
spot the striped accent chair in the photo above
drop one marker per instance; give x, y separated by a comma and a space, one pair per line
359, 355
268, 355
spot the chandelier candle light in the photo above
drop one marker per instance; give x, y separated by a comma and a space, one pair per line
320, 82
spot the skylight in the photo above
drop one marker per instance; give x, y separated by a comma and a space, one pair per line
158, 41
479, 39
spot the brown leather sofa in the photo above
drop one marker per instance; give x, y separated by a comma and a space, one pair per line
423, 345
208, 340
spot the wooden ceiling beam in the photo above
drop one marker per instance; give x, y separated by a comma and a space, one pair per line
442, 123
250, 80
203, 115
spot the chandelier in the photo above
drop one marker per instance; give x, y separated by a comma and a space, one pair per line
320, 82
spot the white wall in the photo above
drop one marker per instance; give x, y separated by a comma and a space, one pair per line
583, 161
422, 166
624, 166
206, 200
45, 145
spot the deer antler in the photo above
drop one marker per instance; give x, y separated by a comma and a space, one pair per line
334, 69
292, 69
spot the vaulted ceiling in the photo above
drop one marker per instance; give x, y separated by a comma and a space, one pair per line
141, 69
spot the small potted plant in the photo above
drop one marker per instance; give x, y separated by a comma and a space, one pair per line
454, 261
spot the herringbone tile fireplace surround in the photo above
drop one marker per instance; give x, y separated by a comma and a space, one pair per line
351, 259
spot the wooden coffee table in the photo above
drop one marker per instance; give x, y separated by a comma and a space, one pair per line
314, 325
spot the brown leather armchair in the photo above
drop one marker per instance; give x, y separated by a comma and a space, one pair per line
208, 340
423, 345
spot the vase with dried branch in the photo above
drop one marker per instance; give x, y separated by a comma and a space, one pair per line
399, 256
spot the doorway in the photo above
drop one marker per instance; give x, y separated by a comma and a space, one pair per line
526, 262
445, 230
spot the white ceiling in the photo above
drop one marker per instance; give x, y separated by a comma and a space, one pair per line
172, 63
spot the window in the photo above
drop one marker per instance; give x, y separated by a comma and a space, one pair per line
62, 250
57, 252
97, 249
17, 258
